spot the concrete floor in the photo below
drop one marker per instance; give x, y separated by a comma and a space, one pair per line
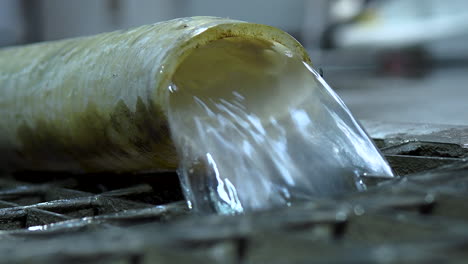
441, 97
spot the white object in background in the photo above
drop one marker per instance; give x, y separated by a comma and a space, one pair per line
342, 10
405, 23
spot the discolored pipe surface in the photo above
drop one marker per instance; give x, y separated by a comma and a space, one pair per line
99, 103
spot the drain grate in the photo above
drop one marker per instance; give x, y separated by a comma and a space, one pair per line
32, 199
420, 217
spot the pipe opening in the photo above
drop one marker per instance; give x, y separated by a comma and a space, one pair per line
240, 69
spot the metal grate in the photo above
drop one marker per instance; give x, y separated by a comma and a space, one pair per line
33, 199
420, 217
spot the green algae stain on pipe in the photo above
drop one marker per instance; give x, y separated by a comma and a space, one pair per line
124, 142
99, 103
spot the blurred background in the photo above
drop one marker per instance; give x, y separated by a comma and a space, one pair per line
390, 60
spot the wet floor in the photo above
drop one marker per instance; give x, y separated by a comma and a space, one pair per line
440, 97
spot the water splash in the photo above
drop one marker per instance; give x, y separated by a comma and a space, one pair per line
256, 137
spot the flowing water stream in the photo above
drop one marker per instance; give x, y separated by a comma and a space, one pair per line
256, 127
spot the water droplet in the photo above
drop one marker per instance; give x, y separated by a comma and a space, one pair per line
359, 210
172, 88
341, 216
288, 53
429, 198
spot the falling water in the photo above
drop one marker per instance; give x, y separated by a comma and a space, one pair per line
256, 127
